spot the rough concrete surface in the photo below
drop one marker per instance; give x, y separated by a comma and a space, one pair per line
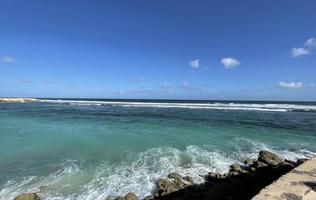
299, 184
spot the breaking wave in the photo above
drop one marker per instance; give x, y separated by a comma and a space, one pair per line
218, 106
137, 172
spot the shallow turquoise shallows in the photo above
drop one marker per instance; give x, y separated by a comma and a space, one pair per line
89, 150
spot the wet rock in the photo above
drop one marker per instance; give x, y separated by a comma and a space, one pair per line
188, 179
252, 169
241, 182
177, 179
290, 162
165, 187
258, 164
301, 160
249, 161
130, 196
27, 196
180, 181
233, 173
235, 168
149, 197
269, 158
221, 176
212, 174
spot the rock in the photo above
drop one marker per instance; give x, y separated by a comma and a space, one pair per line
177, 178
189, 180
163, 183
290, 162
120, 198
258, 164
130, 196
233, 173
27, 196
248, 162
269, 158
235, 168
149, 197
301, 160
212, 174
253, 169
165, 187
221, 176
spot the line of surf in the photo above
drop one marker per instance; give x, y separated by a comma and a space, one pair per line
218, 106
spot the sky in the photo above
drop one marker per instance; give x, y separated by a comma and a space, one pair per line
175, 49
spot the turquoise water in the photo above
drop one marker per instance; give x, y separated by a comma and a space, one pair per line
90, 150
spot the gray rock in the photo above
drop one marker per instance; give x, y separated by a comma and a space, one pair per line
165, 187
149, 197
233, 173
188, 179
212, 174
235, 168
131, 196
248, 162
27, 196
269, 158
258, 164
177, 179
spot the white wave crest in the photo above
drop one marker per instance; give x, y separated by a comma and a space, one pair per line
137, 173
217, 106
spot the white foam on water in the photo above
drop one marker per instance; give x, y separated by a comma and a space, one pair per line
293, 154
218, 106
53, 182
137, 173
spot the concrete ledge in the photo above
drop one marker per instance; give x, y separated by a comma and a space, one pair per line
299, 184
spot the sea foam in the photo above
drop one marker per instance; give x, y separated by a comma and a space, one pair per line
136, 173
218, 106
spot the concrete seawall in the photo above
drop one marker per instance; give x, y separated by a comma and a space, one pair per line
298, 184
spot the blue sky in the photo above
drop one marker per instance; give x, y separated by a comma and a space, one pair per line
254, 50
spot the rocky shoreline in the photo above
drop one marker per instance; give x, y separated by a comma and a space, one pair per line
241, 182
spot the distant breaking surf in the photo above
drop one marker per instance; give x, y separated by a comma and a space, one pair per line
218, 106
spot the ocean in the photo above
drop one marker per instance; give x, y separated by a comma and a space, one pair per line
88, 149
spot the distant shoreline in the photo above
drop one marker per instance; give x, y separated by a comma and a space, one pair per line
168, 100
17, 100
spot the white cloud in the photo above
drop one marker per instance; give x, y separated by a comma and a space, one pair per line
310, 43
299, 51
291, 85
8, 60
195, 64
230, 63
311, 85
